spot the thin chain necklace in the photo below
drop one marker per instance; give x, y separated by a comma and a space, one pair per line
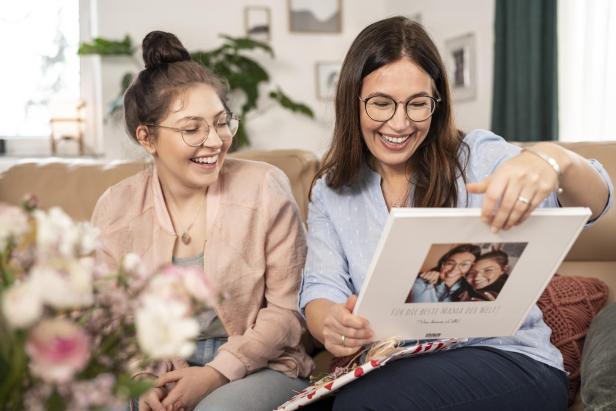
402, 201
185, 236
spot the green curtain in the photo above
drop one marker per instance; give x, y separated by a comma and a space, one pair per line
525, 100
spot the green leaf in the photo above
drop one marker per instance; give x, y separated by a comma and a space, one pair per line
117, 104
55, 402
202, 57
286, 102
106, 47
241, 138
246, 43
127, 387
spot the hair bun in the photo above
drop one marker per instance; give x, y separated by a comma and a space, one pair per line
160, 47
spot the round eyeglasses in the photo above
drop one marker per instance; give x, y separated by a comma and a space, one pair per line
464, 265
226, 126
383, 108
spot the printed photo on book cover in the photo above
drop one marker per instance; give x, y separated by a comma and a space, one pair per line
464, 272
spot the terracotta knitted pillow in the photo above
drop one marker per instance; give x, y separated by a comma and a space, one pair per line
569, 304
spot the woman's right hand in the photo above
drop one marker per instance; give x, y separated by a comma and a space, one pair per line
152, 400
344, 333
431, 277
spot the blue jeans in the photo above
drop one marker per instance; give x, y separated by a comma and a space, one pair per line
469, 378
263, 390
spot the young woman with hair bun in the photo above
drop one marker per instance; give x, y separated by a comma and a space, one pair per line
235, 219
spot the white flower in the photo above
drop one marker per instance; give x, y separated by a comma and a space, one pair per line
22, 305
13, 224
67, 288
163, 330
134, 267
89, 238
169, 288
55, 233
131, 262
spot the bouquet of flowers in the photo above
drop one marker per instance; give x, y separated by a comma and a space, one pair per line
72, 334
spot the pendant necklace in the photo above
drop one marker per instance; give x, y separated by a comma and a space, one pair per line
185, 236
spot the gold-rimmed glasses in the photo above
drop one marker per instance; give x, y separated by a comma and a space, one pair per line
382, 108
226, 126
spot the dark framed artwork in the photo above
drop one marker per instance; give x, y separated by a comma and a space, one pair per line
460, 59
257, 20
327, 74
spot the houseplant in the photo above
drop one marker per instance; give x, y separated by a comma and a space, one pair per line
230, 60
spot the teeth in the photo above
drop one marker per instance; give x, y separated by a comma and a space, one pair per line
205, 160
395, 140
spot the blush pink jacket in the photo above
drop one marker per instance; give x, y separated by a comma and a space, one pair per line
255, 252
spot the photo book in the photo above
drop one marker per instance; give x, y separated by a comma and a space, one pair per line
440, 276
441, 273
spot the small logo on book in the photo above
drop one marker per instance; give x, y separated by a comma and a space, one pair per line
433, 335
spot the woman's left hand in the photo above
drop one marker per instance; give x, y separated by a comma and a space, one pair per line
192, 384
514, 190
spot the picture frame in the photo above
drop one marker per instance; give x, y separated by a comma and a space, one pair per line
460, 59
257, 22
327, 74
308, 16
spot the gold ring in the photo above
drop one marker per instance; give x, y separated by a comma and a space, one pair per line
523, 200
342, 340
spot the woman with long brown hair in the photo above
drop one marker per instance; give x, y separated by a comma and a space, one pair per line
395, 144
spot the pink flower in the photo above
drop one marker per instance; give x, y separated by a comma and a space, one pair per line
58, 349
194, 281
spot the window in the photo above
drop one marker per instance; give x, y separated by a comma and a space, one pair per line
40, 63
587, 69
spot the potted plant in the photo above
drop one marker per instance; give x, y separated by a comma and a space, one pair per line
229, 60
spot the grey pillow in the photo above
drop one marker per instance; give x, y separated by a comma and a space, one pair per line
599, 362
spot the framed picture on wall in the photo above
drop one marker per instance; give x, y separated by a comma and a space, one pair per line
461, 66
258, 23
327, 79
309, 16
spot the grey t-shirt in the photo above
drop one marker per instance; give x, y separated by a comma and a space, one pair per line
210, 325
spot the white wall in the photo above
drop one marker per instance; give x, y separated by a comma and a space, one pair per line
446, 19
197, 23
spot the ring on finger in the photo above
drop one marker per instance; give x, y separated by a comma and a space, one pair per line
342, 339
524, 200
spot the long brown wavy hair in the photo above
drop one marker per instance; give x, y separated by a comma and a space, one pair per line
435, 163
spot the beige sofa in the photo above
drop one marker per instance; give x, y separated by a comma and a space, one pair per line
75, 185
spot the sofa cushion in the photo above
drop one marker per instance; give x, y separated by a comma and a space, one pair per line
569, 304
599, 362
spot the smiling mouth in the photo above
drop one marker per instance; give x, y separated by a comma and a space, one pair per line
208, 160
394, 140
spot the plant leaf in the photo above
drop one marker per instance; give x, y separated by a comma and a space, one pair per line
117, 103
107, 47
241, 138
129, 388
286, 102
246, 43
